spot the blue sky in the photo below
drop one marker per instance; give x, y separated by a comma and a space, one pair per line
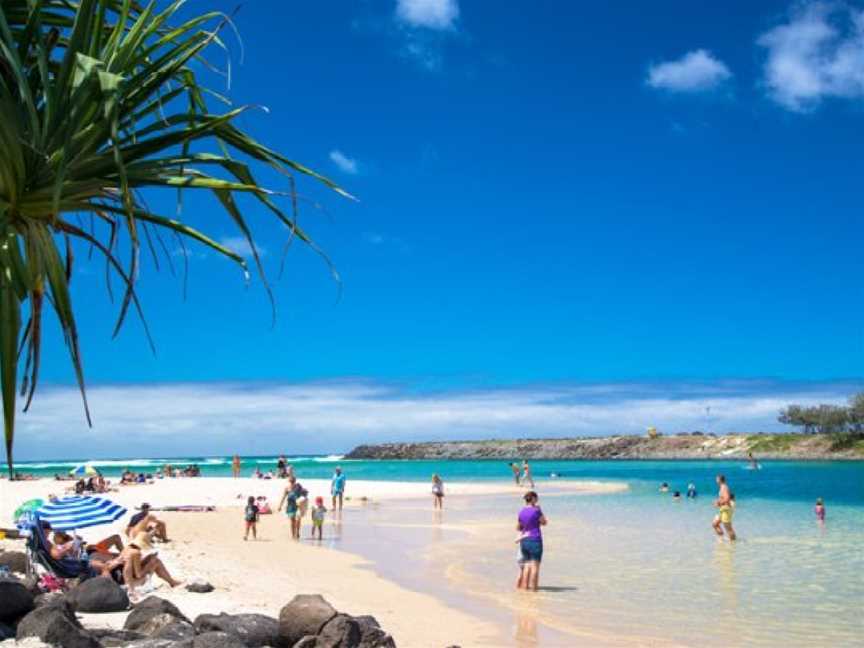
550, 193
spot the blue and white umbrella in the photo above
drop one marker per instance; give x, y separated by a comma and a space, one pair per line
79, 512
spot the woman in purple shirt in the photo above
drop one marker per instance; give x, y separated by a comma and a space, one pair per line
531, 518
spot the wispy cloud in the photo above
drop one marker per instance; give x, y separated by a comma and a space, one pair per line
241, 246
429, 14
345, 163
818, 53
696, 71
214, 418
423, 26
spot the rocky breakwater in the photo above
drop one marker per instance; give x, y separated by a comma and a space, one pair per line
31, 618
681, 446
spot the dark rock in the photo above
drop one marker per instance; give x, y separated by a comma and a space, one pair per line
166, 626
151, 607
110, 638
48, 598
341, 631
56, 624
371, 634
6, 632
99, 594
309, 641
15, 601
217, 640
200, 588
160, 643
367, 620
253, 630
16, 561
305, 615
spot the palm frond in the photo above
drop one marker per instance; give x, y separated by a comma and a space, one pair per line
100, 99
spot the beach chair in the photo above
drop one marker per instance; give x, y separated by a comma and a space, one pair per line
39, 560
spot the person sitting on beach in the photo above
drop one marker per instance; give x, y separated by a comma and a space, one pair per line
263, 505
318, 514
517, 472
530, 540
97, 555
144, 521
437, 492
691, 490
527, 478
250, 514
137, 567
337, 487
819, 509
725, 502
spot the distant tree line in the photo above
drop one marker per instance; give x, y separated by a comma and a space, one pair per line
827, 419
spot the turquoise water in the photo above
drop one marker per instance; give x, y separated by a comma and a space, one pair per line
837, 481
637, 568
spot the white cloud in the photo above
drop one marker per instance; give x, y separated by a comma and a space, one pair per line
431, 14
219, 418
817, 54
696, 71
241, 246
345, 163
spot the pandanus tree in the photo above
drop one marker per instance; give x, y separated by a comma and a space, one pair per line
101, 100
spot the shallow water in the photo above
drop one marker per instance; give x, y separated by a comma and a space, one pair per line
637, 568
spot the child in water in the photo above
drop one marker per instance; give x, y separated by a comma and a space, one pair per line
437, 492
318, 513
251, 517
820, 511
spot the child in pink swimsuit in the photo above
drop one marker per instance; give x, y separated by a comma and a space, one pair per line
820, 510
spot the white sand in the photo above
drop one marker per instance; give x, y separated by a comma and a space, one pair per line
263, 576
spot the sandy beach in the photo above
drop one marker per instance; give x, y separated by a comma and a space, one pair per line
264, 575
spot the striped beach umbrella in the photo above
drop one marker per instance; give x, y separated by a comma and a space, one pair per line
79, 512
84, 470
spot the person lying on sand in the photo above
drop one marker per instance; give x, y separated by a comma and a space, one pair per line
146, 521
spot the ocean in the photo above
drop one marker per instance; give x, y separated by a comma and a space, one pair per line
837, 481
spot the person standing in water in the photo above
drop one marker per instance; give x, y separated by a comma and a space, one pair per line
437, 492
724, 515
235, 466
517, 472
820, 510
530, 541
337, 488
753, 463
527, 478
